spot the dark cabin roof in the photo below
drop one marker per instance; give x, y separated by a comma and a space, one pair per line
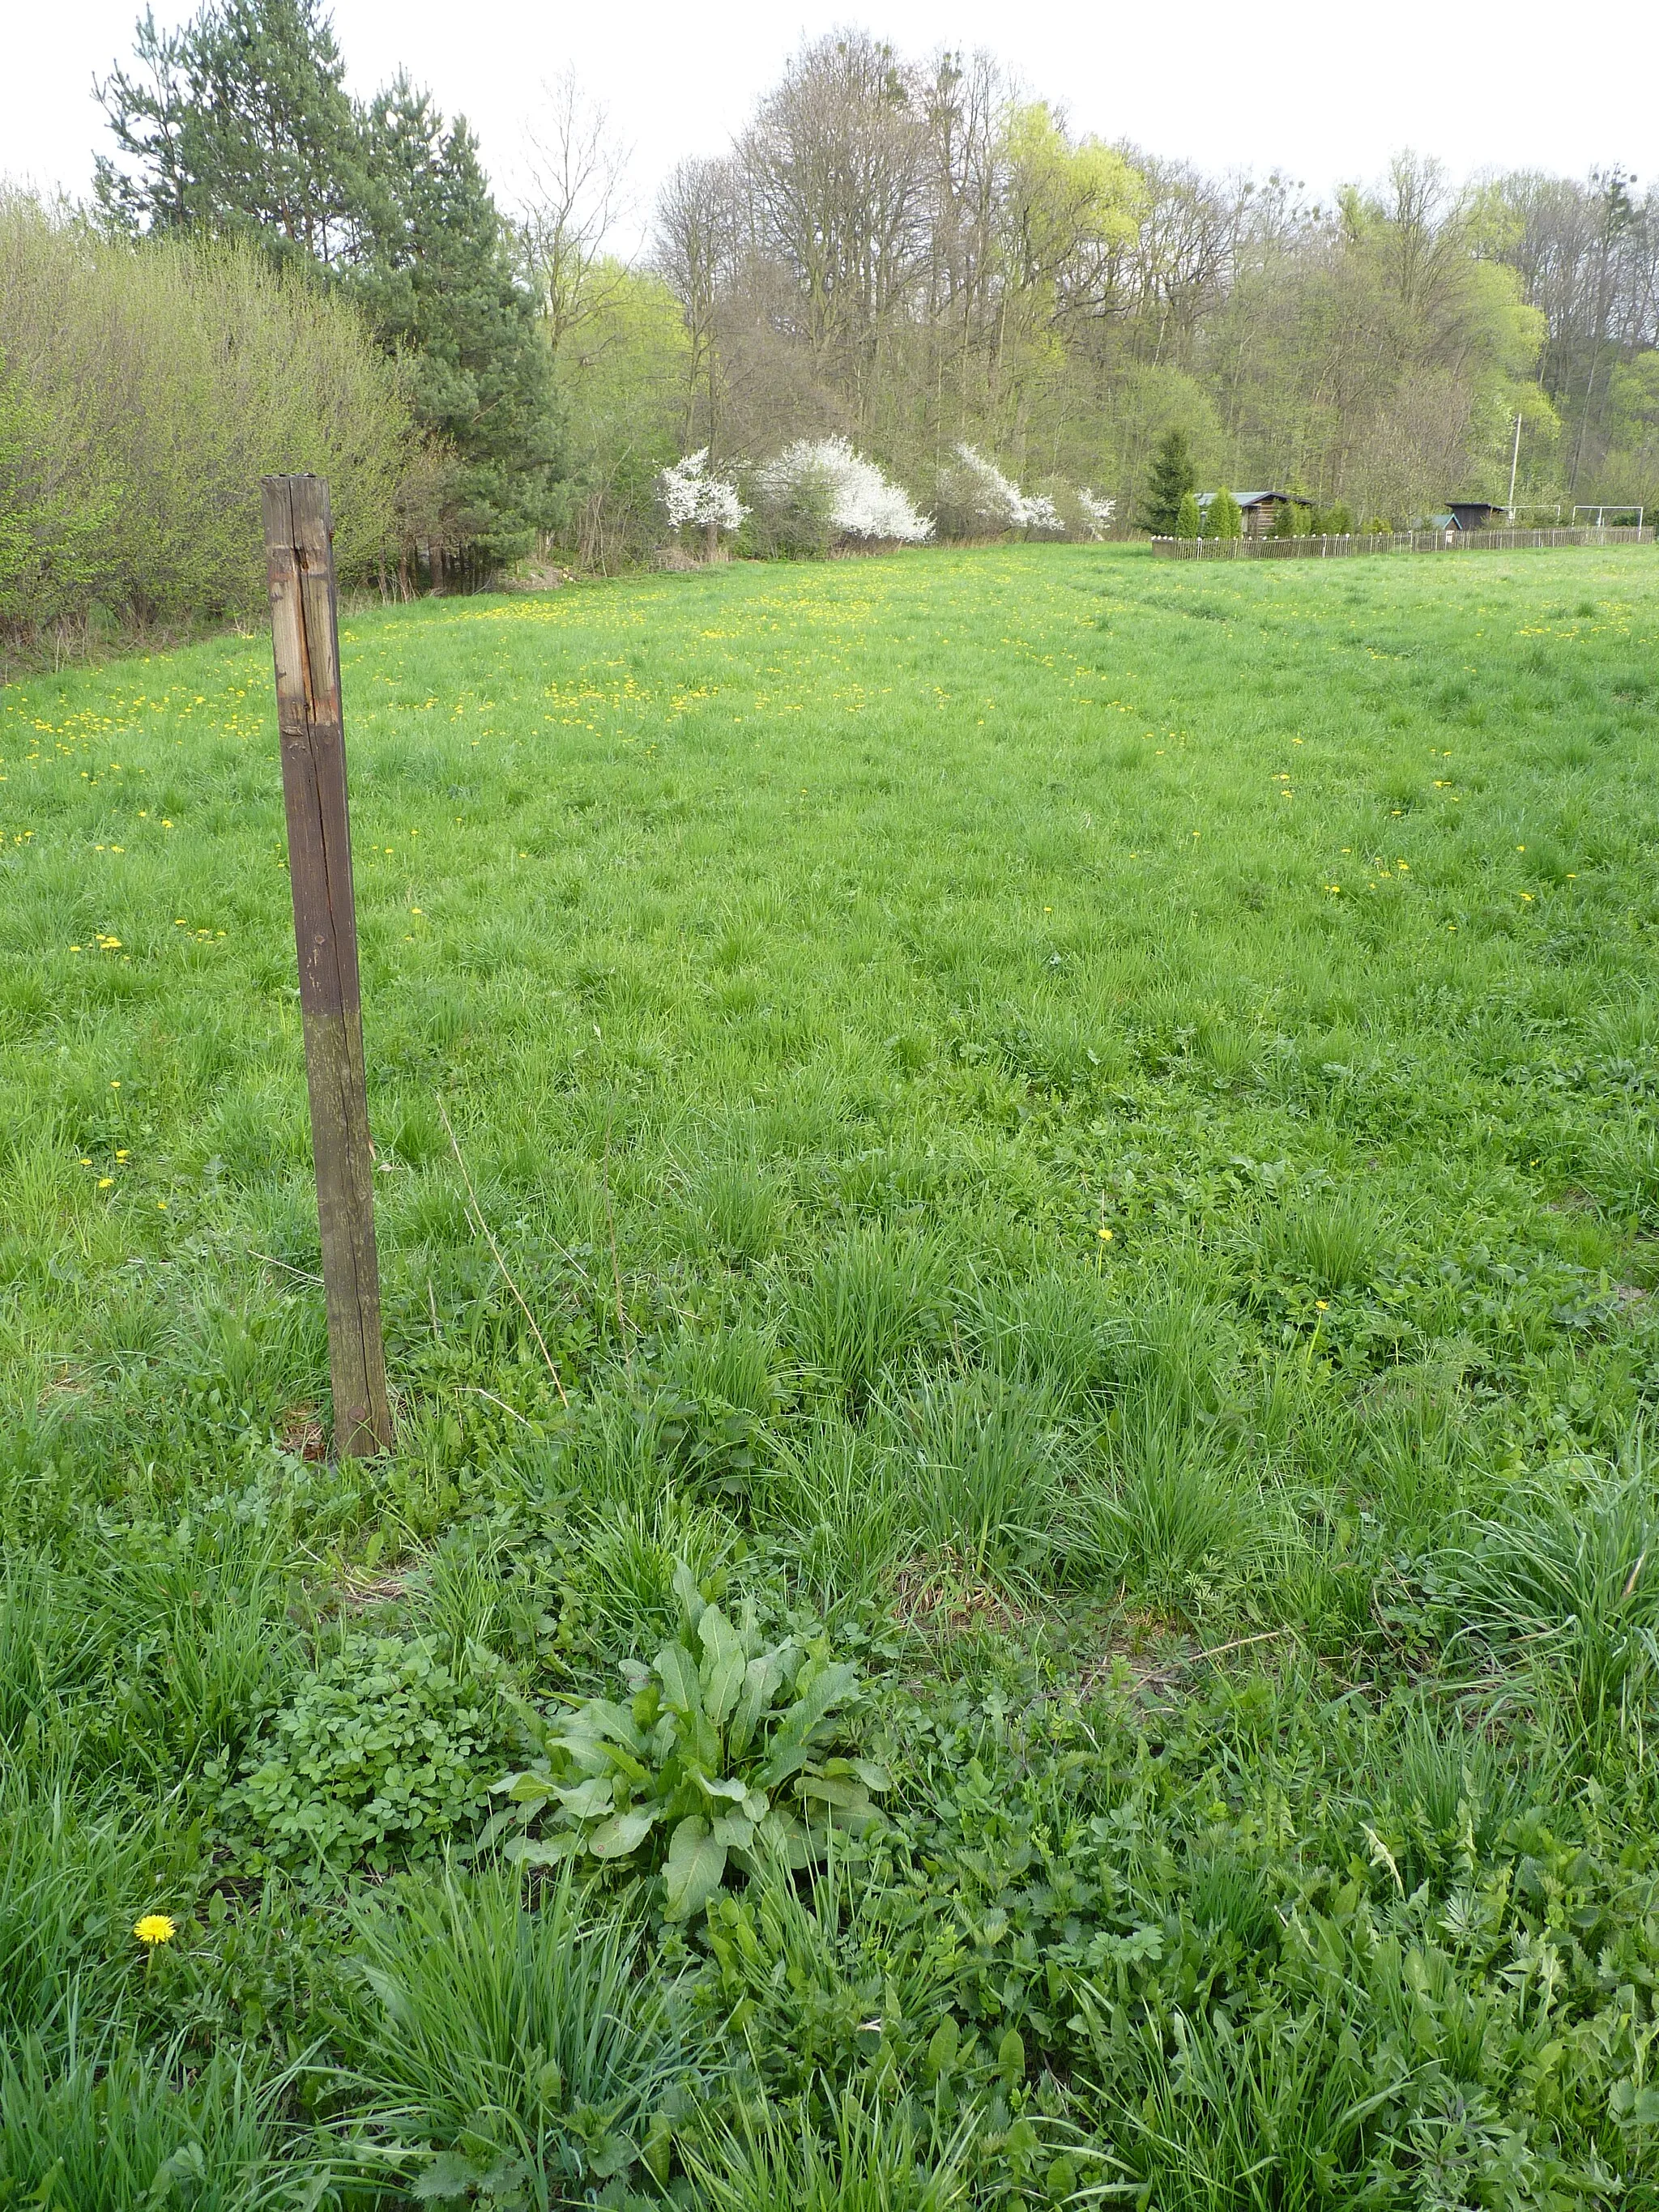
1258, 498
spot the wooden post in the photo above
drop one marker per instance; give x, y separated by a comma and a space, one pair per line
305, 638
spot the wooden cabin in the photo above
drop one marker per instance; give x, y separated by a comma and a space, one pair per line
1259, 510
1470, 515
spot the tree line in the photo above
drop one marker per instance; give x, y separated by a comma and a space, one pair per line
910, 254
906, 260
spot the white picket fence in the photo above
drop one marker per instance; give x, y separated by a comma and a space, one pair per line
1395, 541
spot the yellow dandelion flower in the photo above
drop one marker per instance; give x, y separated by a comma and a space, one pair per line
105, 1182
155, 1928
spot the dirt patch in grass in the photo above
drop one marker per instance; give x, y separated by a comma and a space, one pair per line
301, 1434
943, 1595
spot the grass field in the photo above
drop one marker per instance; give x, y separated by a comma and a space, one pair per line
1079, 1135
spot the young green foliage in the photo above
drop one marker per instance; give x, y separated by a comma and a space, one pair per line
725, 1751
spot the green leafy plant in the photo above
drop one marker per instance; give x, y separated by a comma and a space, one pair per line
381, 1755
725, 1753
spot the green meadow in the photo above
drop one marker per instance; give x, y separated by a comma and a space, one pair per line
1018, 1195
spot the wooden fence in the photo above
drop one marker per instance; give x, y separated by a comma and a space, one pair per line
1397, 541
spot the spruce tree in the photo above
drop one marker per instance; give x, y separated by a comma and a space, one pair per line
1171, 477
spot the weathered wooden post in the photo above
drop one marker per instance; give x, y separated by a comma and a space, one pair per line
304, 638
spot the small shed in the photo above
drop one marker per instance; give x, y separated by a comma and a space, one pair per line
1470, 515
1260, 510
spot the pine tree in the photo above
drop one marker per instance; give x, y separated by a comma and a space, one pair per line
1171, 477
239, 124
1225, 519
436, 276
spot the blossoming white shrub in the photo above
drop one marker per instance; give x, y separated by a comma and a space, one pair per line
1042, 516
975, 500
818, 489
1095, 511
692, 498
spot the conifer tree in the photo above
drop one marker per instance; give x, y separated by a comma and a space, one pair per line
1188, 522
436, 276
1224, 518
239, 124
1171, 477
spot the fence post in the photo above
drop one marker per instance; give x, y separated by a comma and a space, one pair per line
304, 641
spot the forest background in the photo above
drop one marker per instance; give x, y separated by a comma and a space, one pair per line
910, 255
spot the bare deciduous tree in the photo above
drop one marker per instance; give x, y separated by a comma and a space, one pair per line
575, 197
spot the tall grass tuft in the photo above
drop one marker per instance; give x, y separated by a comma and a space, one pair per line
1170, 1508
1256, 2117
1064, 1332
502, 2025
1329, 1240
124, 2131
876, 2160
1567, 1582
877, 1296
981, 1463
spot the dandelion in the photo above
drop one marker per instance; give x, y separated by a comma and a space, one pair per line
1321, 1305
155, 1928
1105, 1236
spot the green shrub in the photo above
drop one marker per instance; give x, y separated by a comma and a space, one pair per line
148, 386
1224, 518
723, 1751
383, 1755
1186, 521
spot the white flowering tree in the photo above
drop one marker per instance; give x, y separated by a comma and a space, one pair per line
1095, 511
694, 498
817, 491
976, 499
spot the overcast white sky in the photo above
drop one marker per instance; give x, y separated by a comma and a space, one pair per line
1323, 90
